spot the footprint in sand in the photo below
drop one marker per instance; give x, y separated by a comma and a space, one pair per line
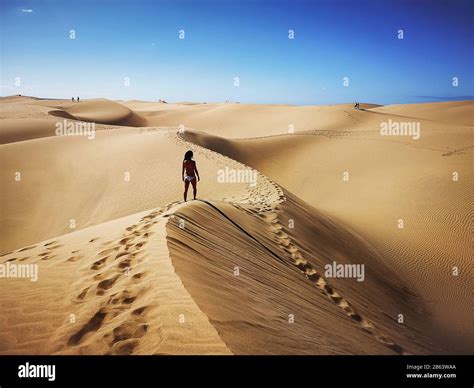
99, 276
91, 326
106, 284
125, 263
83, 294
99, 264
140, 244
124, 338
123, 298
54, 247
27, 248
73, 259
126, 240
138, 276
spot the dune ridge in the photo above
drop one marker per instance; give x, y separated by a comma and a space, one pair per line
269, 212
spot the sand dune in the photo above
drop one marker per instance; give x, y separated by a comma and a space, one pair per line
244, 120
24, 118
415, 184
116, 292
120, 172
279, 280
454, 113
241, 270
102, 111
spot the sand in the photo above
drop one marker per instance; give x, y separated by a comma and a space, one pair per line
126, 267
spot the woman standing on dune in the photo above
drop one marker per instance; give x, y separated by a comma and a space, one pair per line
189, 174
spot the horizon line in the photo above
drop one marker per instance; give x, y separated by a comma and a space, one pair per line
433, 99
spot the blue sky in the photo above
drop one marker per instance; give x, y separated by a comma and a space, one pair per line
139, 41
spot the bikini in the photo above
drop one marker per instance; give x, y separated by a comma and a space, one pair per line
189, 178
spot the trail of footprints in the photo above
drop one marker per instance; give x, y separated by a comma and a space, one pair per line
118, 264
48, 253
270, 217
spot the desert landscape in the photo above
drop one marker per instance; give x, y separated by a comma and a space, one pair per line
125, 266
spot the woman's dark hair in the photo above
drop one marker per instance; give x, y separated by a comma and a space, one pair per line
188, 155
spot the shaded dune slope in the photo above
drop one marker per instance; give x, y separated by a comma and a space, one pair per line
280, 279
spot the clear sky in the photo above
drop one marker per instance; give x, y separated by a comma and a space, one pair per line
138, 41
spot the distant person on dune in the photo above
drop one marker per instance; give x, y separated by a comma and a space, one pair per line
189, 174
72, 99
